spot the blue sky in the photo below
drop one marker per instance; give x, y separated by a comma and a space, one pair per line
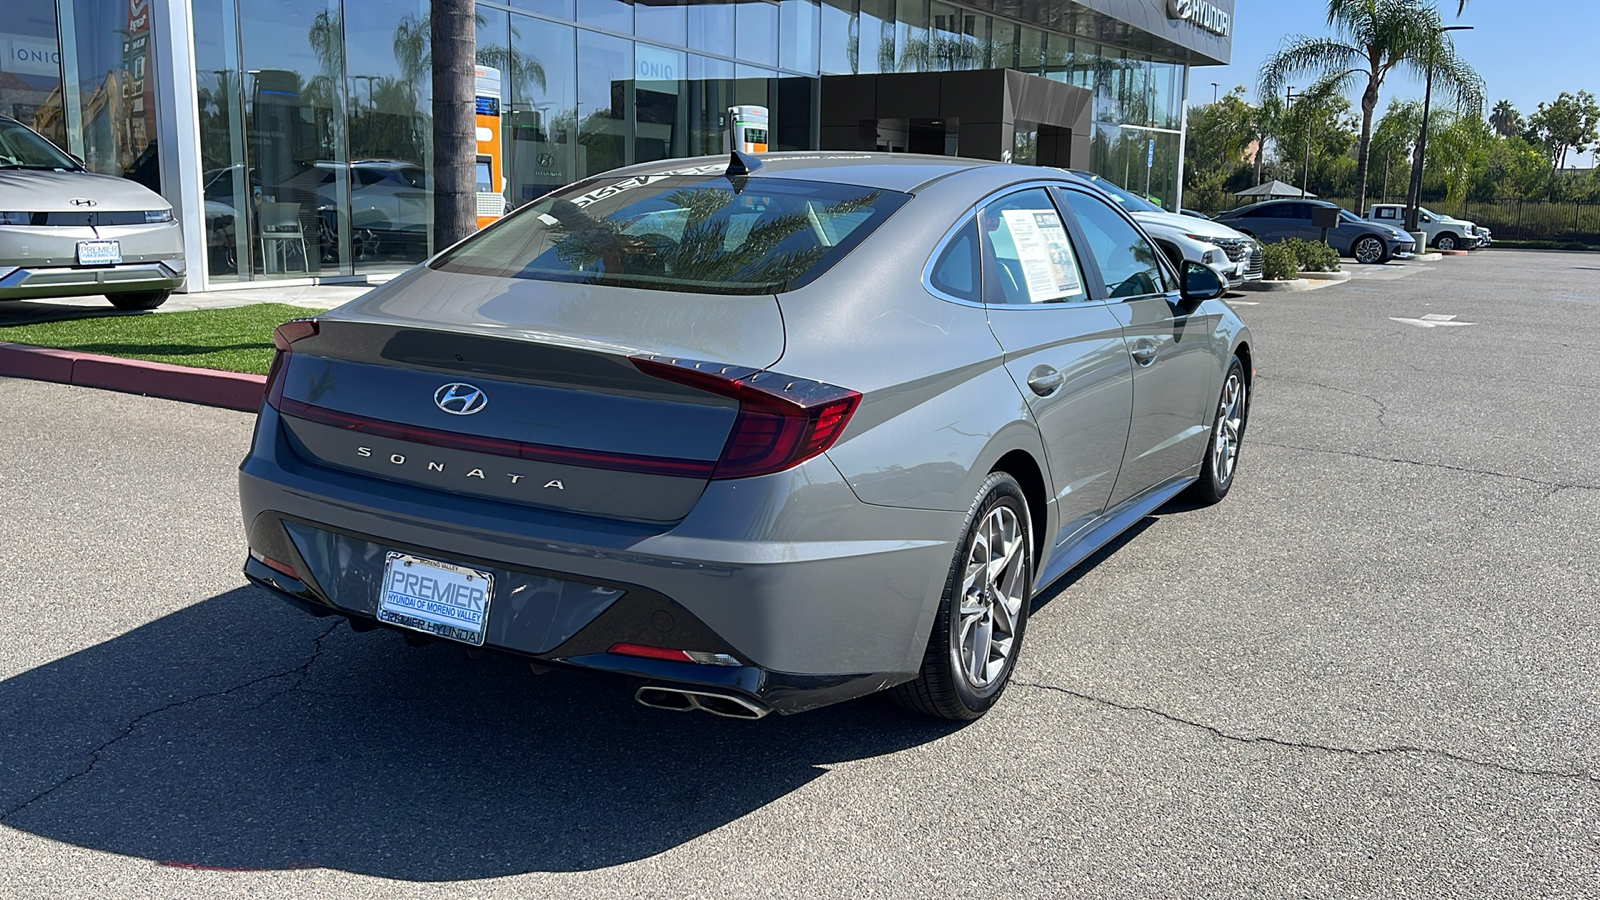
1526, 50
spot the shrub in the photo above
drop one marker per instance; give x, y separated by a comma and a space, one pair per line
1313, 256
1277, 263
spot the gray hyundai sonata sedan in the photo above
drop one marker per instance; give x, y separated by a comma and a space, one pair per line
766, 432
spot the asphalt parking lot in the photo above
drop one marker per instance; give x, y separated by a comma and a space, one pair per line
1372, 671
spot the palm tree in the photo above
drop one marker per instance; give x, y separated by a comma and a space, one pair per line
1374, 38
453, 43
1505, 120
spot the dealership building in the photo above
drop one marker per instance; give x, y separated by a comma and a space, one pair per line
293, 137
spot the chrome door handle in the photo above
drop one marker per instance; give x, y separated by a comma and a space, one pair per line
1043, 380
1144, 351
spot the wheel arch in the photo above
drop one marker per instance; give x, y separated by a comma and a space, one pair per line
1021, 465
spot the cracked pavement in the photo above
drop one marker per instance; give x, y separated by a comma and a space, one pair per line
1372, 671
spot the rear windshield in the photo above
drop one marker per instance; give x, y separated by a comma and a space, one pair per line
695, 233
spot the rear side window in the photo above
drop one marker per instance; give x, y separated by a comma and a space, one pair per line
956, 272
693, 233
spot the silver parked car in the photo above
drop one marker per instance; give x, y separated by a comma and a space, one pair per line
768, 433
65, 232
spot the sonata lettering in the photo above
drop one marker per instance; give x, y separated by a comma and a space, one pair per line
399, 459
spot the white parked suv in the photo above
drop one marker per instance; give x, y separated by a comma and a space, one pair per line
1444, 232
1236, 256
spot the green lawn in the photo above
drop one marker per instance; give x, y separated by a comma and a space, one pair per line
237, 339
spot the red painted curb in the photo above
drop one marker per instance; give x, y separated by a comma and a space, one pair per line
209, 387
1453, 252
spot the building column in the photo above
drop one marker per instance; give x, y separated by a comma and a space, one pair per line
178, 129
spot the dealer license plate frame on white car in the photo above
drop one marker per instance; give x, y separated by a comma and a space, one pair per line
99, 253
437, 598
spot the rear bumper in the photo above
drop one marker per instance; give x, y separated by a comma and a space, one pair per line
820, 596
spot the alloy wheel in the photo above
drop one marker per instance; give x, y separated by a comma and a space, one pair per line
1368, 250
1230, 424
992, 591
1446, 243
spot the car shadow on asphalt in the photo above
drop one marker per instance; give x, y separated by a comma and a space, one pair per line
33, 312
240, 734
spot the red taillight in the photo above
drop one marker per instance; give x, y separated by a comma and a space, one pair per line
782, 421
649, 652
283, 337
281, 568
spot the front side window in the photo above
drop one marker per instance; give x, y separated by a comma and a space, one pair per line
691, 232
1130, 265
1028, 257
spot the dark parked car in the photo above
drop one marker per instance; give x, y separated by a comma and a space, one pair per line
767, 435
1275, 220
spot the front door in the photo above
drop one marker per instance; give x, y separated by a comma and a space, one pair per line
1063, 346
1172, 351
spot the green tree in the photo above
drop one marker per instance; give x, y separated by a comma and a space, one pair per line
1374, 38
1392, 141
1570, 123
1505, 120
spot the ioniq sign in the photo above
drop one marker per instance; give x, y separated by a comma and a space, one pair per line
1201, 14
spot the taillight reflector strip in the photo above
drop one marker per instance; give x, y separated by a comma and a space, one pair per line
782, 421
593, 459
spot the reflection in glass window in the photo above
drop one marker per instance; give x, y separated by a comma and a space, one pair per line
1028, 258
30, 74
757, 27
1129, 264
877, 36
604, 101
797, 34
841, 39
388, 73
612, 15
542, 129
691, 233
663, 24
711, 27
912, 35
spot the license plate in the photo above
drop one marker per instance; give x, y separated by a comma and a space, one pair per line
437, 598
99, 253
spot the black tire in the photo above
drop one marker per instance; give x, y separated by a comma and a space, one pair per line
1213, 485
943, 688
143, 300
1447, 241
1383, 255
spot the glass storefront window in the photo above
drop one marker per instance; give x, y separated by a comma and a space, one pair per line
709, 91
841, 38
541, 143
559, 9
711, 27
876, 50
390, 131
1030, 50
612, 15
662, 24
955, 41
912, 35
605, 102
225, 190
757, 39
797, 35
660, 107
30, 69
294, 137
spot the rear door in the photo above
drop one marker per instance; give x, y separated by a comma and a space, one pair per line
1172, 351
1063, 347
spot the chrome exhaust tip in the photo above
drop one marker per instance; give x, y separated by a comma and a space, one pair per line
730, 706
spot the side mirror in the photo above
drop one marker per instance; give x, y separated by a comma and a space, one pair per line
1201, 283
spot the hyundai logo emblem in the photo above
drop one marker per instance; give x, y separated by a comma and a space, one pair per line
81, 201
460, 399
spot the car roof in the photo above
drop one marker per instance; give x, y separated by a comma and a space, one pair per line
904, 172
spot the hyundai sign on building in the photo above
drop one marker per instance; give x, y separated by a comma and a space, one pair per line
293, 137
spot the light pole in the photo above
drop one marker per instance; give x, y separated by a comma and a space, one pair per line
1414, 192
1214, 91
1305, 175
